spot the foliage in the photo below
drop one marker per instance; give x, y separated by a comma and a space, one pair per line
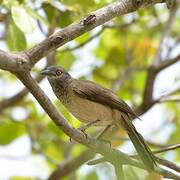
104, 60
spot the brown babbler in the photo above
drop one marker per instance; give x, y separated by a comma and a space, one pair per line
94, 104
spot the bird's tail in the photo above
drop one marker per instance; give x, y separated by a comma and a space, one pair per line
140, 145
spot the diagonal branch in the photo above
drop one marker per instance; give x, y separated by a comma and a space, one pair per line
8, 102
70, 165
166, 32
167, 63
119, 26
50, 109
83, 43
158, 65
88, 23
10, 61
152, 72
164, 172
168, 164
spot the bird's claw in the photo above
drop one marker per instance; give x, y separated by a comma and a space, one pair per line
83, 130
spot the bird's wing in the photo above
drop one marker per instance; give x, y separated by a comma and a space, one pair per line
91, 91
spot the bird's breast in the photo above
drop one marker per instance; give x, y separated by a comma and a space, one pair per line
88, 111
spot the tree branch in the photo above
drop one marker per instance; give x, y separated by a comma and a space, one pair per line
168, 164
148, 100
166, 32
8, 102
167, 63
11, 62
88, 23
167, 148
83, 43
70, 165
164, 172
158, 65
119, 26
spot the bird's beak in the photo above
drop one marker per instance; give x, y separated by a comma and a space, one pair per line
46, 72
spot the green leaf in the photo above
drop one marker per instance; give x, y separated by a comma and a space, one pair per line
53, 150
64, 18
80, 6
15, 38
114, 50
65, 59
35, 15
83, 38
139, 80
50, 11
9, 131
22, 19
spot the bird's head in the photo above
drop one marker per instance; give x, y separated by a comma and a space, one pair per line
56, 74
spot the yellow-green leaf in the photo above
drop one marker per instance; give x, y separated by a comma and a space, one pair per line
22, 19
16, 40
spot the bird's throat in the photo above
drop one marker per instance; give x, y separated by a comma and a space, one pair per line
61, 89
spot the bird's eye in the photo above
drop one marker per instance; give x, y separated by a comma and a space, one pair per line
58, 72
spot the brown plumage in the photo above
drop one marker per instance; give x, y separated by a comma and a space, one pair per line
101, 95
89, 102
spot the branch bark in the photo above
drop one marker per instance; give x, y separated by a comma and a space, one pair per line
158, 64
148, 100
88, 23
9, 102
166, 32
11, 62
70, 165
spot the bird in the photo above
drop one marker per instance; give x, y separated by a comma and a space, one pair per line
93, 104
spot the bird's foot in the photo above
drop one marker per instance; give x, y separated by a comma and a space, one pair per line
83, 130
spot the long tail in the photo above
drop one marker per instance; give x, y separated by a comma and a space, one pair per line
139, 143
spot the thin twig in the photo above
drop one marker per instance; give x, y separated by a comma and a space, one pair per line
167, 63
166, 33
119, 26
84, 43
168, 164
76, 29
168, 148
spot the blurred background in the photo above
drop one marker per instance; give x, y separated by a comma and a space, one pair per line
124, 55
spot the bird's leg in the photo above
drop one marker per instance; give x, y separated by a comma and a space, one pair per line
86, 126
100, 135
